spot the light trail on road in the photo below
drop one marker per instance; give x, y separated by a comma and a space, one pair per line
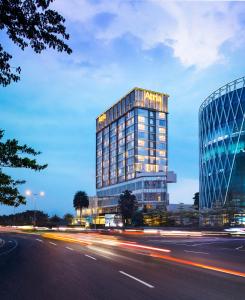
194, 264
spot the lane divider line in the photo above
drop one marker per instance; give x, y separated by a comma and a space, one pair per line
238, 248
52, 243
90, 256
70, 248
137, 279
198, 252
41, 241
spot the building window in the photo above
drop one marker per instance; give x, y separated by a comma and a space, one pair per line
152, 122
141, 119
162, 130
162, 123
162, 153
152, 129
141, 143
161, 115
162, 138
141, 126
152, 136
143, 112
152, 144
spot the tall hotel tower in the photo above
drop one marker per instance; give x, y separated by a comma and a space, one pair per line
132, 148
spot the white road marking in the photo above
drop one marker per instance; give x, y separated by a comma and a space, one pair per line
10, 250
200, 244
198, 252
90, 257
137, 279
69, 248
39, 240
52, 243
238, 248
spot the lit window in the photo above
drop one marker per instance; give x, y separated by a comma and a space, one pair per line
141, 157
141, 119
138, 167
141, 143
162, 153
162, 130
162, 138
161, 115
141, 126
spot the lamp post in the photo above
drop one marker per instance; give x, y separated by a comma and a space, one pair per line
29, 193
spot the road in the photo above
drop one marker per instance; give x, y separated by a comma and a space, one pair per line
111, 267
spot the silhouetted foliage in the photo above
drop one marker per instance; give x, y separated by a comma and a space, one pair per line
196, 200
68, 218
11, 156
138, 218
29, 23
55, 221
25, 218
128, 206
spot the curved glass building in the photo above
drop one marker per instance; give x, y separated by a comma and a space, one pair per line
222, 147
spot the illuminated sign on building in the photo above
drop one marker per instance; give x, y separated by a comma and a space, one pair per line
102, 118
152, 96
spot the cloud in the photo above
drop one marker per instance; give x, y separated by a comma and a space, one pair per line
195, 31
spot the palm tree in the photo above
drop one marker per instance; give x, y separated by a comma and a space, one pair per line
80, 201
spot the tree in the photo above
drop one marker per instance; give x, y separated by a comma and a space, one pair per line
80, 201
29, 23
11, 156
127, 205
196, 200
55, 221
138, 218
25, 218
68, 218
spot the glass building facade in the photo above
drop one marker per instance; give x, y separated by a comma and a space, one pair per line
131, 147
222, 147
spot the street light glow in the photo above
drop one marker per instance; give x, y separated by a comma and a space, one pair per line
28, 192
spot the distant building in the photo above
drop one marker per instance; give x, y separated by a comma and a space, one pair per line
132, 148
183, 215
180, 207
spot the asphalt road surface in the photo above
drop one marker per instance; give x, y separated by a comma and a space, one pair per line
33, 267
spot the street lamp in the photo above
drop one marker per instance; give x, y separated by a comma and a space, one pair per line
29, 193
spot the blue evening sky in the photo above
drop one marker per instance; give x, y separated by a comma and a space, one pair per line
185, 49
